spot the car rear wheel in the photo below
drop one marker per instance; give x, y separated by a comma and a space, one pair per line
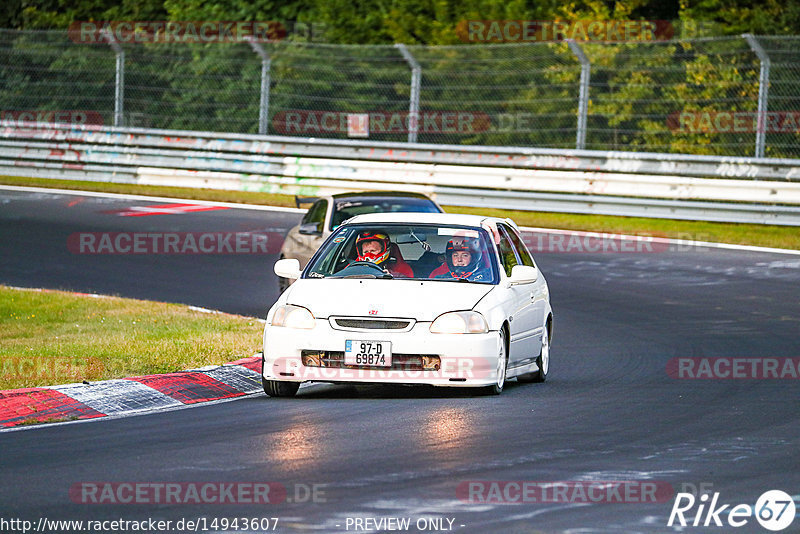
502, 366
543, 362
275, 388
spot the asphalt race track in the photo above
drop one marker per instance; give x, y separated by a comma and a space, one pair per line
609, 411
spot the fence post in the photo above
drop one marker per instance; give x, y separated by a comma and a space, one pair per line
413, 104
763, 91
119, 83
263, 105
583, 96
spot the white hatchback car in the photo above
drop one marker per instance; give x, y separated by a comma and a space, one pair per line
411, 298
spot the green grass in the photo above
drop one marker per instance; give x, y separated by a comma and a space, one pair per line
34, 421
742, 234
53, 337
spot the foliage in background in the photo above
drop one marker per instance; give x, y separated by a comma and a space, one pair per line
429, 22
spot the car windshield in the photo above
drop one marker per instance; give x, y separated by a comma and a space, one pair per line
419, 252
346, 208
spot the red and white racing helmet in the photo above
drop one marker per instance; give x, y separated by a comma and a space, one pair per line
374, 257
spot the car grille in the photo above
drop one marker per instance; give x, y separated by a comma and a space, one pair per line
400, 362
363, 323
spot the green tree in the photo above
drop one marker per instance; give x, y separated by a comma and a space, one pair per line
734, 17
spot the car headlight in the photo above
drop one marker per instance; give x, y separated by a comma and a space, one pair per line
462, 322
293, 317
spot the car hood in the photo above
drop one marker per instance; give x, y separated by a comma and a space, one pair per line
420, 300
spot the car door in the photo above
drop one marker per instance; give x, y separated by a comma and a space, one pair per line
539, 287
525, 337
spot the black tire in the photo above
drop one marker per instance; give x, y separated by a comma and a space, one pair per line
275, 388
497, 387
543, 362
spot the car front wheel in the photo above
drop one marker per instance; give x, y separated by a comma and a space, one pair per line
543, 362
502, 365
276, 388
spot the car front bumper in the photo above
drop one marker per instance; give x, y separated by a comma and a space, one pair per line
465, 360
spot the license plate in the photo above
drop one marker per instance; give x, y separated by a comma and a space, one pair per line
375, 353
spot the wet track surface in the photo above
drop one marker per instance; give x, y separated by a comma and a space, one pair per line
608, 412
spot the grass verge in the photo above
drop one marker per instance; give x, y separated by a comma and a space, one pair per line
740, 234
54, 337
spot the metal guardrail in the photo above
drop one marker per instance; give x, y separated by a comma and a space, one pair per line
579, 181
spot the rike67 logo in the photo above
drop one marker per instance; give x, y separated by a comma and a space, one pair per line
774, 510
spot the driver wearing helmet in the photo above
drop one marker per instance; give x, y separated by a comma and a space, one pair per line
464, 260
375, 247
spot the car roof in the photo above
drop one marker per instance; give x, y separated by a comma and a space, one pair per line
379, 194
421, 218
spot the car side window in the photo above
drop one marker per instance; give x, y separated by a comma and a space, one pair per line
519, 245
505, 248
316, 214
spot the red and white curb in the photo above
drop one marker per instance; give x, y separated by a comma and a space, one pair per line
129, 396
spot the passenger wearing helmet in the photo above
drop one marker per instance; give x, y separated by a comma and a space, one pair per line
463, 260
376, 247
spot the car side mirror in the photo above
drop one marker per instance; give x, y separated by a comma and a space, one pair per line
523, 274
288, 268
310, 229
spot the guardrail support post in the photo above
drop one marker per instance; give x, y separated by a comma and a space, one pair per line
583, 96
413, 104
119, 83
763, 91
263, 106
